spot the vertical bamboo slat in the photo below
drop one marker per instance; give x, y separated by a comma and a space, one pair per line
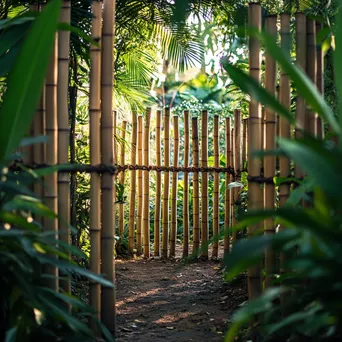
301, 62
146, 201
311, 69
173, 222
165, 223
227, 209
237, 159
204, 188
320, 78
216, 193
270, 144
133, 184
63, 131
232, 179
39, 149
140, 185
186, 185
285, 129
158, 187
122, 176
244, 142
107, 157
51, 187
195, 196
115, 117
255, 199
95, 153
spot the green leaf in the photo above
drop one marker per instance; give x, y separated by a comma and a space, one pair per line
303, 83
26, 79
250, 86
316, 161
11, 335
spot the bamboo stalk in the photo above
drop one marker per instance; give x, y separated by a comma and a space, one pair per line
232, 179
165, 219
301, 62
146, 201
158, 187
39, 149
216, 194
227, 208
196, 199
115, 117
63, 132
108, 314
140, 185
204, 188
122, 176
285, 128
186, 185
255, 196
320, 78
237, 160
311, 70
51, 187
95, 153
270, 144
244, 143
133, 184
173, 222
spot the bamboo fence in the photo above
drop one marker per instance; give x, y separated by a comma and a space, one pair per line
191, 156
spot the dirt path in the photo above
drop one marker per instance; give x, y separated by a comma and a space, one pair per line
167, 301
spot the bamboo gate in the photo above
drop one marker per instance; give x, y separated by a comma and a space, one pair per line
241, 137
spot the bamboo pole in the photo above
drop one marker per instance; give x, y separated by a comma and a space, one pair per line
232, 179
133, 184
63, 131
173, 222
186, 185
115, 117
270, 144
320, 78
146, 201
227, 208
255, 199
204, 188
122, 176
165, 219
140, 185
196, 199
285, 128
39, 149
311, 70
216, 194
244, 143
301, 62
158, 187
95, 153
51, 187
107, 157
236, 160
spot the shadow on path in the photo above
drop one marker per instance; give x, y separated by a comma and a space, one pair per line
167, 301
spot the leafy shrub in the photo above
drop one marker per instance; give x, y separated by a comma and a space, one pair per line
29, 308
311, 288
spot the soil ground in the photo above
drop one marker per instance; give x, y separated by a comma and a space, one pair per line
166, 300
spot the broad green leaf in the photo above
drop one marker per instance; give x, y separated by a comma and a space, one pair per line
11, 335
247, 312
316, 161
249, 85
26, 79
303, 83
42, 139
